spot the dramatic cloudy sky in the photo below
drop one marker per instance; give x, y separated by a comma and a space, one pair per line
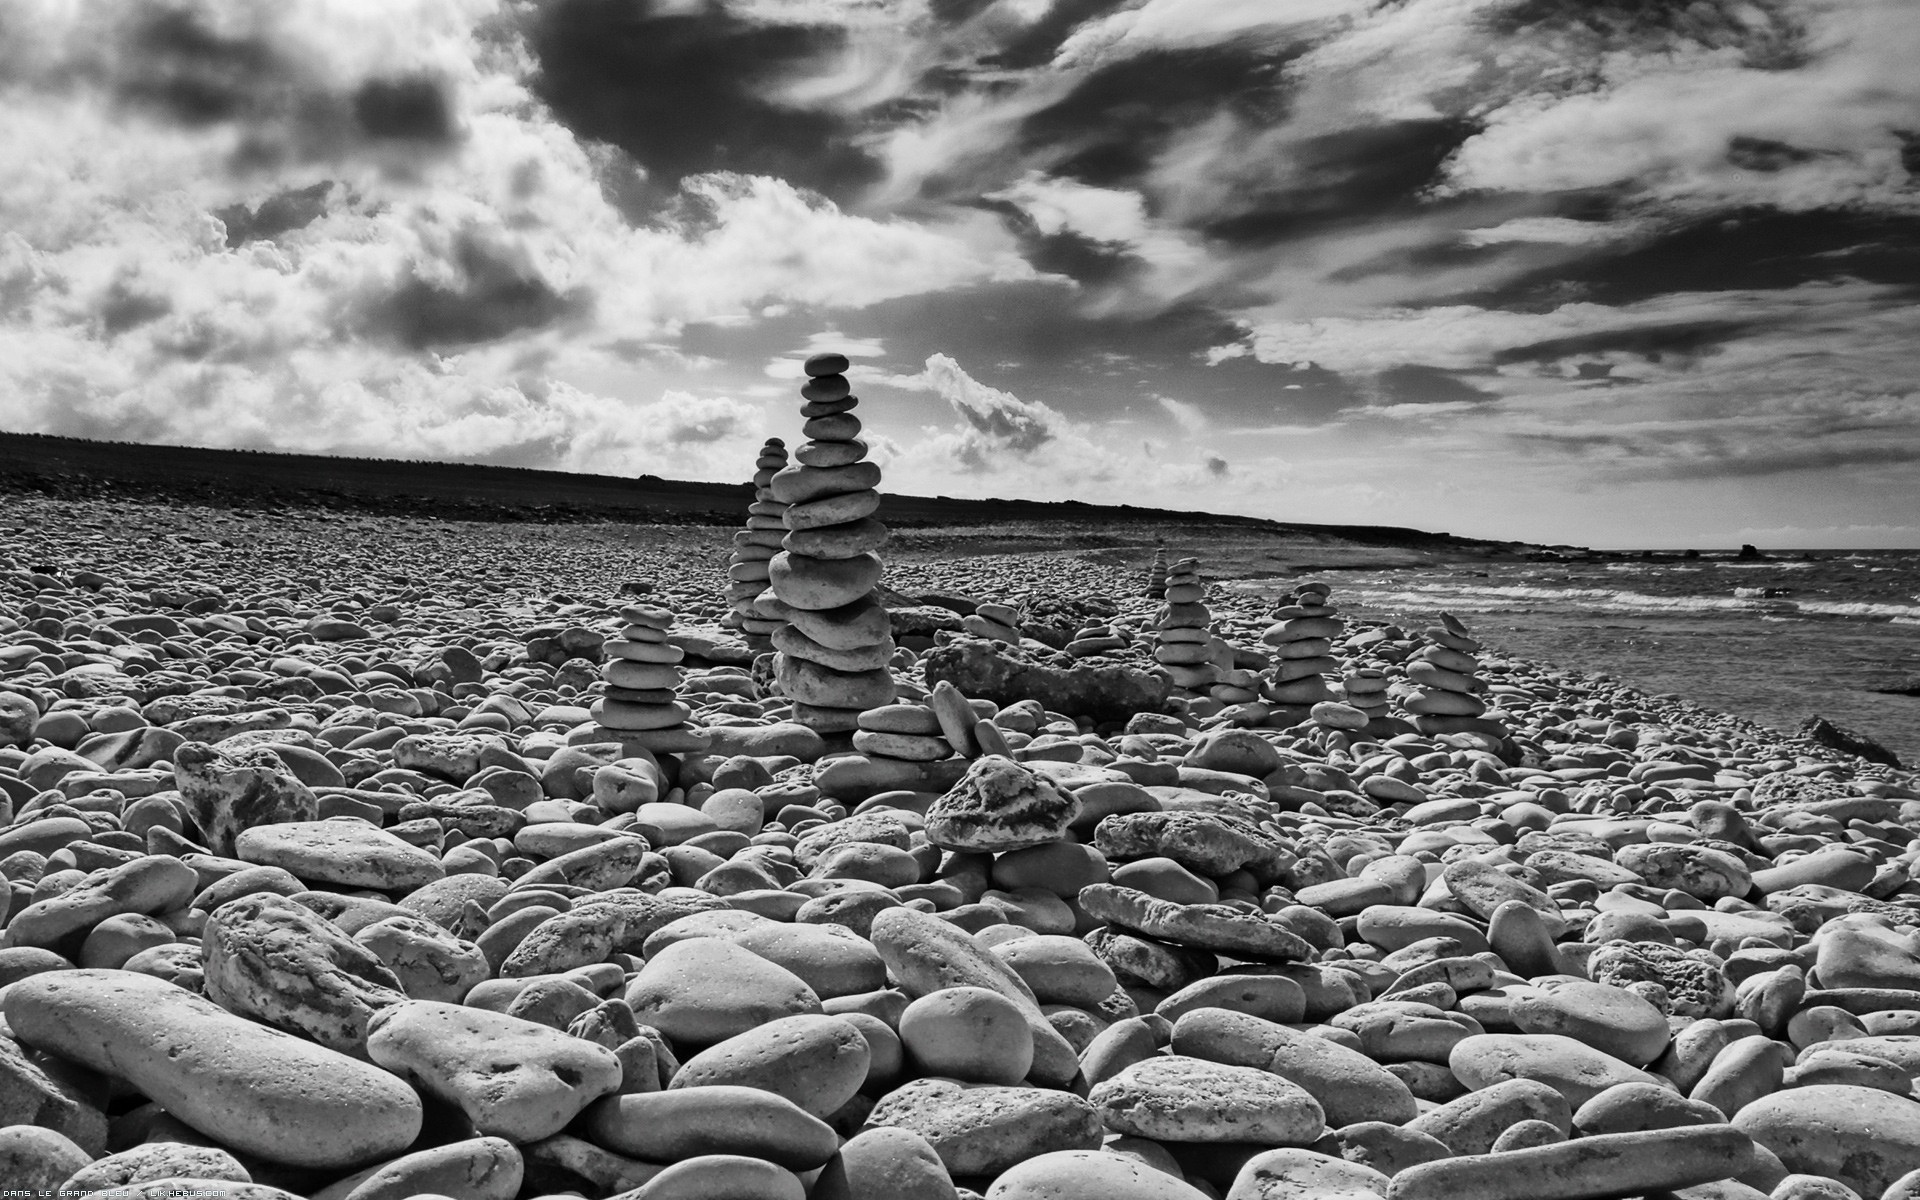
1612, 272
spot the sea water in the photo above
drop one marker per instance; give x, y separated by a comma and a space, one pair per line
1774, 640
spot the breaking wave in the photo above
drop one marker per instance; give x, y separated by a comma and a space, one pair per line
1513, 598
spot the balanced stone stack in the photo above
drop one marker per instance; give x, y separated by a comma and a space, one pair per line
1185, 646
1096, 639
1302, 641
641, 705
896, 734
1366, 690
754, 548
832, 653
1157, 575
995, 622
1445, 676
1236, 685
923, 746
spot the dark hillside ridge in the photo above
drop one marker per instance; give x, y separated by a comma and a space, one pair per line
78, 468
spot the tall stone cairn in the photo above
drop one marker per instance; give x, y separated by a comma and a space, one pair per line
831, 656
1302, 639
1183, 639
754, 548
1157, 575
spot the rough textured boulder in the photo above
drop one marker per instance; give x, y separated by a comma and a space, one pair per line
1000, 805
982, 669
268, 957
229, 793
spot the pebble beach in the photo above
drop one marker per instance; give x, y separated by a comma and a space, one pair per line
356, 856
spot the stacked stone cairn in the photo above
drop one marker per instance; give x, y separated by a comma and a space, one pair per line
754, 548
902, 732
832, 654
1184, 646
1157, 575
1095, 639
1302, 641
641, 706
914, 746
1365, 688
1445, 678
995, 622
1236, 685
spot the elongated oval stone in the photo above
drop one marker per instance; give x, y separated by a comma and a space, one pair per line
246, 1086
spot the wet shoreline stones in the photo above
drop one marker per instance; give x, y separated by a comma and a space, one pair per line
413, 891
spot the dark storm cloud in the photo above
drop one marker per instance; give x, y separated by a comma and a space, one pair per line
1427, 385
1348, 177
1749, 248
282, 212
1038, 42
414, 108
180, 68
1769, 35
1109, 128
495, 298
1682, 340
1066, 252
685, 92
1765, 154
126, 306
1721, 456
175, 63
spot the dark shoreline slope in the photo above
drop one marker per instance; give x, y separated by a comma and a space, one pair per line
75, 468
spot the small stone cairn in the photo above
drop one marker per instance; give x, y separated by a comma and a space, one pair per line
1366, 690
1445, 678
642, 670
995, 622
832, 653
902, 733
754, 548
1302, 641
1157, 575
1097, 638
1237, 685
1185, 646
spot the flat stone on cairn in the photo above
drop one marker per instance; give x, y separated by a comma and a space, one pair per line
1157, 575
832, 654
754, 548
641, 705
1445, 676
1302, 641
1185, 646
